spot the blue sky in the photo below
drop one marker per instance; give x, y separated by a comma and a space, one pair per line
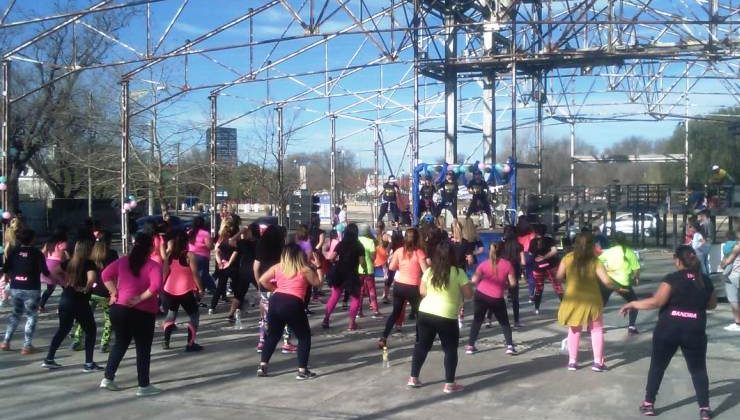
353, 124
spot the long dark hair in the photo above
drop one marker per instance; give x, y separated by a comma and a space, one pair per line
411, 241
76, 275
351, 234
179, 249
139, 254
583, 253
522, 226
688, 258
441, 265
199, 223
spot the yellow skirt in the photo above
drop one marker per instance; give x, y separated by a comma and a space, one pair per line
578, 314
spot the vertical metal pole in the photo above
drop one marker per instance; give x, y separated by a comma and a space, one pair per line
251, 42
572, 153
333, 163
376, 163
89, 153
177, 179
450, 85
281, 157
415, 34
4, 166
489, 117
212, 159
125, 127
538, 130
150, 192
513, 88
686, 143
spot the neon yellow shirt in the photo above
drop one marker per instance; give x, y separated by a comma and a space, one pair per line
369, 246
445, 302
620, 264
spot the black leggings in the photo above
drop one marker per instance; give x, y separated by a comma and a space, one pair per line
47, 294
427, 328
483, 304
240, 286
402, 293
222, 280
287, 310
693, 344
629, 295
71, 309
188, 302
449, 205
386, 207
130, 323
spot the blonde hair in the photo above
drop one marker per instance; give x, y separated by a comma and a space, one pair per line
469, 232
292, 260
457, 231
15, 225
99, 253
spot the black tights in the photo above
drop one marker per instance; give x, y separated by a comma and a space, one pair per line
483, 304
427, 328
693, 345
222, 279
71, 309
628, 295
130, 323
287, 310
47, 294
402, 293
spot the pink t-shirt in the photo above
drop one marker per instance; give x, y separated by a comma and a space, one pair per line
180, 279
409, 267
524, 240
294, 286
199, 247
493, 284
129, 285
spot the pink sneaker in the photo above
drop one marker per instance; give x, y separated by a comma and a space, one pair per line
289, 348
452, 388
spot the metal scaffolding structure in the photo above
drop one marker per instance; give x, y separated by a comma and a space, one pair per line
418, 72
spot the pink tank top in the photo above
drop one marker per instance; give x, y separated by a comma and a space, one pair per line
294, 286
180, 280
156, 247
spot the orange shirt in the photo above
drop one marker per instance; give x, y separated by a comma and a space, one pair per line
409, 267
381, 256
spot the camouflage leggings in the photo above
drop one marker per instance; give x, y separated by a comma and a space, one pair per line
96, 301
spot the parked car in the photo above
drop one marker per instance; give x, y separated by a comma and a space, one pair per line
176, 223
625, 224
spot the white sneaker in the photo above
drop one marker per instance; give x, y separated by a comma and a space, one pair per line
109, 385
210, 312
733, 327
564, 346
147, 391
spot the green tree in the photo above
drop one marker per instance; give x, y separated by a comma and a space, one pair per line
714, 139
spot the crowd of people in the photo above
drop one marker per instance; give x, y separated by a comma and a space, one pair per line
427, 273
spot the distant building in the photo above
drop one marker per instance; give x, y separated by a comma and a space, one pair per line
226, 153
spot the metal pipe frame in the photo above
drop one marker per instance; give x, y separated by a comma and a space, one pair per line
643, 46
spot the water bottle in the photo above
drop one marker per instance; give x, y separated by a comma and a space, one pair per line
386, 360
238, 319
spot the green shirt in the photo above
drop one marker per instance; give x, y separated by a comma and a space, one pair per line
620, 263
445, 302
369, 245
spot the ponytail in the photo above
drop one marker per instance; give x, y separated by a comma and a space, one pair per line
688, 258
493, 256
